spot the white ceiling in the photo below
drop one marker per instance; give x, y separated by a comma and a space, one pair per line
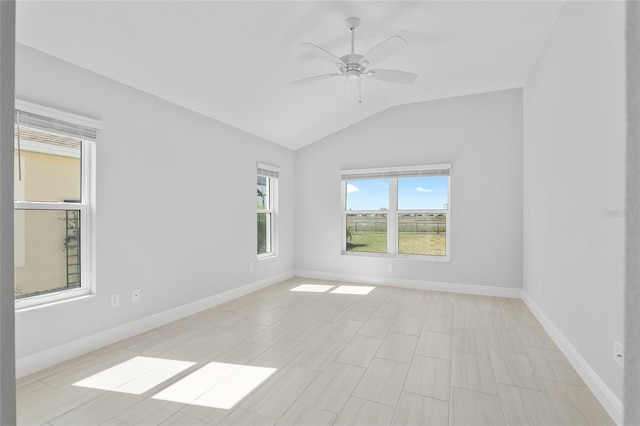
233, 60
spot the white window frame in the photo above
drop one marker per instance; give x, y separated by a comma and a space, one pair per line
86, 206
271, 173
394, 174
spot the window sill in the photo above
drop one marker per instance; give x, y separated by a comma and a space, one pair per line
267, 256
44, 301
419, 258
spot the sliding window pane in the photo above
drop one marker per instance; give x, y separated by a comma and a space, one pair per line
263, 193
47, 251
264, 233
47, 167
368, 194
367, 233
423, 234
423, 193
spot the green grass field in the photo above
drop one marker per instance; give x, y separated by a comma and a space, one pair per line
409, 243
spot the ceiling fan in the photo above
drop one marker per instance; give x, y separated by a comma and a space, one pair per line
353, 65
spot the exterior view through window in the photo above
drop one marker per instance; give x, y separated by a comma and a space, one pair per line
397, 211
52, 210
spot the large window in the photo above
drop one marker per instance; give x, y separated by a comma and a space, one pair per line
53, 208
267, 187
399, 212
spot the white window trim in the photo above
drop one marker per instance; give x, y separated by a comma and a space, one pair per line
86, 208
273, 208
392, 234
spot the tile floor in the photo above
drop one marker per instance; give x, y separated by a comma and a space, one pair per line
390, 357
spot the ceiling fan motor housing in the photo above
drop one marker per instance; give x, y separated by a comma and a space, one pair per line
354, 68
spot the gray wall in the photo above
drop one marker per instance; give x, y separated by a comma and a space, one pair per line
7, 336
480, 135
574, 175
632, 294
175, 204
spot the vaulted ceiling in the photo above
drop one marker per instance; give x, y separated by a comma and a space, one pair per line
233, 60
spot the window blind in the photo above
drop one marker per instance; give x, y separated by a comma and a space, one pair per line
396, 172
267, 170
40, 122
52, 120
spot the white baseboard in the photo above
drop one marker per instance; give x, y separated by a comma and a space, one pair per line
603, 393
41, 360
513, 293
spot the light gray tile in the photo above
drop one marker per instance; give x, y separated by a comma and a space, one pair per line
244, 417
475, 408
576, 405
333, 387
98, 410
514, 369
398, 347
429, 377
433, 344
470, 342
280, 354
503, 339
278, 394
376, 327
537, 337
360, 351
468, 320
439, 323
389, 310
552, 365
345, 329
149, 411
413, 410
527, 407
301, 414
318, 356
382, 382
473, 373
181, 419
358, 412
410, 325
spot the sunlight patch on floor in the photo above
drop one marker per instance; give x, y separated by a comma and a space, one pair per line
353, 289
216, 385
135, 376
312, 288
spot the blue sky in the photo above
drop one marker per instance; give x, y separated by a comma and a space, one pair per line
413, 193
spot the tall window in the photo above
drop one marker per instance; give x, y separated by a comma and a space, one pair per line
267, 186
397, 212
53, 210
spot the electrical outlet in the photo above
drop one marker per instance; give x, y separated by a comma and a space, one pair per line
390, 267
250, 266
115, 300
618, 353
135, 296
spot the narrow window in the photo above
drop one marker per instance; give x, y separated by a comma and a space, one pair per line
266, 202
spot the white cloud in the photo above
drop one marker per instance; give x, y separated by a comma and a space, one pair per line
421, 189
352, 188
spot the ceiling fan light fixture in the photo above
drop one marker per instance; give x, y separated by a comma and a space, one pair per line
352, 74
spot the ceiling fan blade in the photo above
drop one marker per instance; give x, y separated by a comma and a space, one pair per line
314, 78
352, 91
389, 47
392, 76
321, 53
